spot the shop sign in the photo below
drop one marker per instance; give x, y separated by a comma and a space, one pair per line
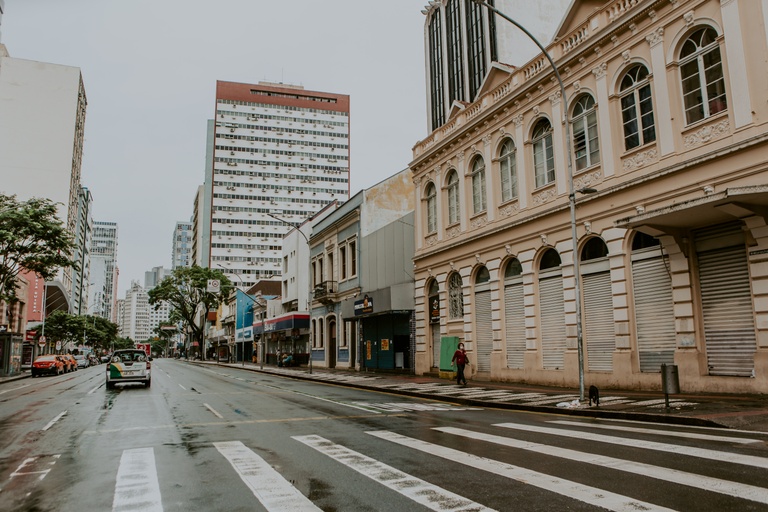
364, 306
385, 344
434, 309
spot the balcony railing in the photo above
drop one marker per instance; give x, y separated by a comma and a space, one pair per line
326, 291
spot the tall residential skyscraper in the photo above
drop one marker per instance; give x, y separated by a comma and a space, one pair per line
182, 245
104, 270
155, 276
43, 103
134, 322
81, 274
272, 149
464, 42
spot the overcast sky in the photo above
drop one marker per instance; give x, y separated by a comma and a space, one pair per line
150, 69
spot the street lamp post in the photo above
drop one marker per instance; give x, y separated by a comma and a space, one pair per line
309, 279
571, 194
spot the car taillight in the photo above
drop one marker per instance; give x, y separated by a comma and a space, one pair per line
149, 365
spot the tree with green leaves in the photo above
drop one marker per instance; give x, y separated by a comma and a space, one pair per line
185, 290
32, 238
96, 332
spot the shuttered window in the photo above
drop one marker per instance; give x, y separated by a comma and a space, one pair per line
552, 315
483, 330
598, 316
654, 310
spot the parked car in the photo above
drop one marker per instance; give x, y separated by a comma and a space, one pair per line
47, 365
93, 360
129, 365
105, 358
70, 361
82, 361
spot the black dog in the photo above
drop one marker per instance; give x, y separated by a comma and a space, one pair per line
594, 395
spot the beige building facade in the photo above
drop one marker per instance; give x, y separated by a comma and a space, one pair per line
667, 129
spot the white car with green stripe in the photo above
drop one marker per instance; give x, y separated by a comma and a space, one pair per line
129, 365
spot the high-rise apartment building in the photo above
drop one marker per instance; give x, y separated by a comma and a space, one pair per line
81, 274
155, 276
104, 270
42, 103
181, 255
272, 149
134, 321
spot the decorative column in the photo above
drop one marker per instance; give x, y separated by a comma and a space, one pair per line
464, 199
492, 179
661, 107
532, 359
438, 181
765, 18
419, 206
604, 120
466, 289
758, 272
522, 174
622, 358
559, 143
737, 63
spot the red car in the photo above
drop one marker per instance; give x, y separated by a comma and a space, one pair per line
50, 364
70, 362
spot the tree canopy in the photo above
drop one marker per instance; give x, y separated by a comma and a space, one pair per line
185, 291
94, 331
32, 238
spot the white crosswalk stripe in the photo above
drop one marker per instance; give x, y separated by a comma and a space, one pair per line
271, 489
424, 493
734, 489
720, 456
585, 493
137, 487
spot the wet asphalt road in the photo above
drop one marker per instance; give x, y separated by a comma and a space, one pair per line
213, 439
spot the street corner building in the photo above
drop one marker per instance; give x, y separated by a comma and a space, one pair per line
653, 161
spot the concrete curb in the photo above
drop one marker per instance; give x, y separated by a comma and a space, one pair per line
592, 412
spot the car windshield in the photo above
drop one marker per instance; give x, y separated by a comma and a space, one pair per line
129, 357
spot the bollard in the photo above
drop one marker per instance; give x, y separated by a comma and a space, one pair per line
670, 382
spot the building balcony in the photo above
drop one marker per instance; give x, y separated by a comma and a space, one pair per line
326, 291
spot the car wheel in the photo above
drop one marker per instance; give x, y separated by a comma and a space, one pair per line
110, 385
148, 383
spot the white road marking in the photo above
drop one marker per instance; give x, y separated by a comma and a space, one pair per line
592, 495
54, 420
14, 389
269, 487
137, 487
214, 411
182, 387
407, 406
94, 389
33, 463
720, 456
688, 435
744, 491
416, 489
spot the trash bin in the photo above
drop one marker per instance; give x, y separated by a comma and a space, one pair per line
670, 382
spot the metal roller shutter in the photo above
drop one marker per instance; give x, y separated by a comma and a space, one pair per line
654, 313
483, 330
552, 314
726, 303
599, 332
514, 324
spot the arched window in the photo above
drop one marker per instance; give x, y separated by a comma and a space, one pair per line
455, 296
701, 72
586, 147
637, 108
508, 169
543, 153
594, 248
431, 208
483, 276
550, 259
453, 198
478, 185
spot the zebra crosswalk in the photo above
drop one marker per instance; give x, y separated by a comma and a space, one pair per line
138, 487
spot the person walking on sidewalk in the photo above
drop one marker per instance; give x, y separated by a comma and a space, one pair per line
461, 360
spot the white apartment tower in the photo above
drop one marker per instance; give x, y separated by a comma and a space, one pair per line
181, 255
135, 320
81, 275
104, 270
42, 103
273, 149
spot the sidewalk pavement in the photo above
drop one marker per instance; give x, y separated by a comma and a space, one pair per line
744, 412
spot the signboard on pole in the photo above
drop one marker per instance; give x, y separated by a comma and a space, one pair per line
41, 342
214, 286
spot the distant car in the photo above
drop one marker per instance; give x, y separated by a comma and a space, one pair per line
93, 359
129, 365
70, 361
105, 358
82, 361
47, 365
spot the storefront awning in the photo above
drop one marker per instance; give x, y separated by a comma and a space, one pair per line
285, 322
712, 209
